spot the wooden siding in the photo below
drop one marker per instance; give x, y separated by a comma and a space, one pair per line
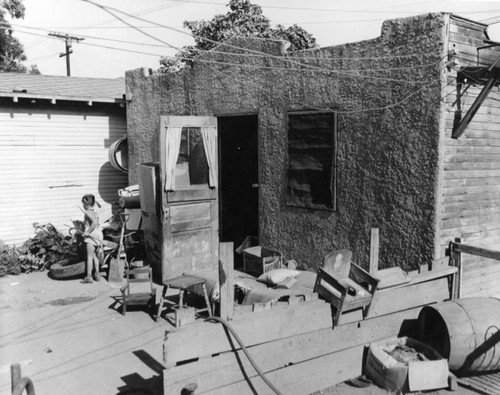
48, 160
470, 206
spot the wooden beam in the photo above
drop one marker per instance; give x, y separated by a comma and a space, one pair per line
411, 295
226, 280
374, 249
479, 251
456, 257
460, 129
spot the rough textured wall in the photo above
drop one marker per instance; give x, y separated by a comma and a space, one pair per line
387, 92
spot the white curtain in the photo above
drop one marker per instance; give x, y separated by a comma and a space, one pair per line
173, 143
209, 135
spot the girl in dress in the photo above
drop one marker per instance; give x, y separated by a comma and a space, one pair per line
92, 237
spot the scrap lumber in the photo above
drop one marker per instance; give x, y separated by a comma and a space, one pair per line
206, 338
424, 288
335, 347
226, 280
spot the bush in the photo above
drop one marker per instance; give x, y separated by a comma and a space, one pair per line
47, 247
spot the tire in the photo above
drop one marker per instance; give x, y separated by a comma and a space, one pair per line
60, 270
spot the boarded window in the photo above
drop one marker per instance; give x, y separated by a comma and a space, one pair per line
311, 160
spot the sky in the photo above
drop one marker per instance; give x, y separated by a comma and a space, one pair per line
110, 46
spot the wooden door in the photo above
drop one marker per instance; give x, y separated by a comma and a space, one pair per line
189, 217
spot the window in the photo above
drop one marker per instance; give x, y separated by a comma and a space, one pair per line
192, 167
311, 174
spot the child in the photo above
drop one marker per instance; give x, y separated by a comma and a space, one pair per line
92, 237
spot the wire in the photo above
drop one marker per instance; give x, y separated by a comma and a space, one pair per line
108, 9
327, 9
215, 51
245, 351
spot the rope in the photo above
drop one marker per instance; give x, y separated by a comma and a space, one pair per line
244, 349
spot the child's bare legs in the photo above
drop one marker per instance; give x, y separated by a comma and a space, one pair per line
95, 259
90, 259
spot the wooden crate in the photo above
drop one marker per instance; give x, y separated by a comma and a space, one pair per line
258, 260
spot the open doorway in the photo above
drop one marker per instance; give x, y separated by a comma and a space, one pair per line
238, 179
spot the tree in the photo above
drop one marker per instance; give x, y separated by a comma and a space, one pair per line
244, 20
11, 50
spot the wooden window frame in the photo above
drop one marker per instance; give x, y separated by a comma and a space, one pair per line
333, 168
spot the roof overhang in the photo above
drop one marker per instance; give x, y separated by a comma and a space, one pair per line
15, 96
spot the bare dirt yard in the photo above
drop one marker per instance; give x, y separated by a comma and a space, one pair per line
71, 338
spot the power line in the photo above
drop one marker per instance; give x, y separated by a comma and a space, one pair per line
320, 58
288, 60
329, 9
336, 58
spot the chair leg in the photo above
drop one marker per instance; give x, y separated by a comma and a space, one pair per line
124, 305
207, 300
162, 299
181, 298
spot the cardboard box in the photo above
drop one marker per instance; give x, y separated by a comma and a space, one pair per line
259, 260
393, 375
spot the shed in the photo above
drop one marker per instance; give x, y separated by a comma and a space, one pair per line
318, 147
54, 138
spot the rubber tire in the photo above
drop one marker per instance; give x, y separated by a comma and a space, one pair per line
60, 271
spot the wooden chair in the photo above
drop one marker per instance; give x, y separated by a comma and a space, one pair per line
345, 285
183, 283
140, 297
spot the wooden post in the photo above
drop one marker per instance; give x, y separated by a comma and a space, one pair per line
15, 375
456, 256
374, 248
226, 280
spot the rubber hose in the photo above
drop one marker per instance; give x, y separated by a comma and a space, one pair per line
253, 363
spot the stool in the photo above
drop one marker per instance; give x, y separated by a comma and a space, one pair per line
182, 283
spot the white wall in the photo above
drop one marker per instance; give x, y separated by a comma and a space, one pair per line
50, 158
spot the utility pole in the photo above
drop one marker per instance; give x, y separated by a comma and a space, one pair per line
69, 41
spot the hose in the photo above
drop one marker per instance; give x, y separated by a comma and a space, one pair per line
252, 362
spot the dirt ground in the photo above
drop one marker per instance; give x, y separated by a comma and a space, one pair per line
70, 338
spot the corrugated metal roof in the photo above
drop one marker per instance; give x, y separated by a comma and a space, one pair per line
61, 88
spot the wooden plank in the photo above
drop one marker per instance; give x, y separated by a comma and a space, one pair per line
192, 212
472, 166
226, 281
227, 368
460, 222
451, 208
202, 339
374, 251
484, 252
492, 210
453, 158
408, 296
450, 143
297, 379
391, 277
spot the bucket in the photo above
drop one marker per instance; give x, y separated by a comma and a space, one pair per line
465, 331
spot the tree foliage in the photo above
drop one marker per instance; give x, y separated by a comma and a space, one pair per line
244, 20
11, 50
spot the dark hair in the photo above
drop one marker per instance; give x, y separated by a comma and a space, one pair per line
89, 200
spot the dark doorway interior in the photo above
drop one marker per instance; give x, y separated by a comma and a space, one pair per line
238, 176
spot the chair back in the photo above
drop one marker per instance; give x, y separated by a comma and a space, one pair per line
140, 275
338, 263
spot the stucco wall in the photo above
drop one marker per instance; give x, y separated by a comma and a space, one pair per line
387, 92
